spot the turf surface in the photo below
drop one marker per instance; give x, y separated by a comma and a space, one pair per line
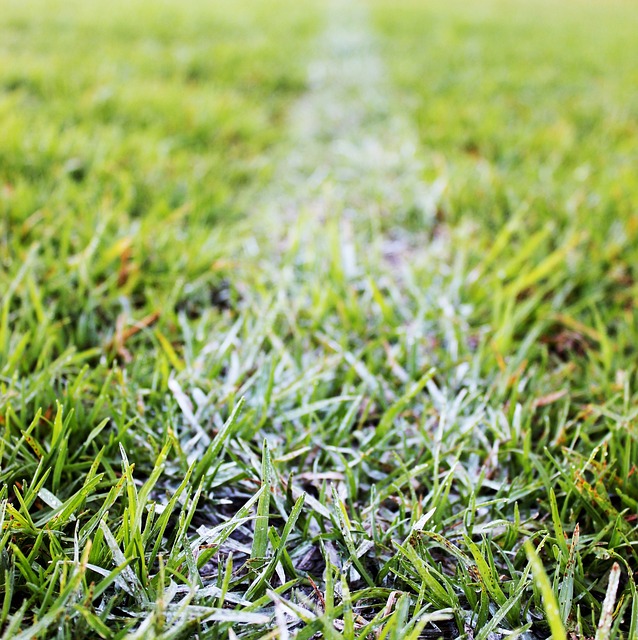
255, 382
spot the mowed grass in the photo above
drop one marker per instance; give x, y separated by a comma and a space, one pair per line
528, 117
527, 114
201, 439
129, 135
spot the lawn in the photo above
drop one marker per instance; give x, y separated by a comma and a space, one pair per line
213, 425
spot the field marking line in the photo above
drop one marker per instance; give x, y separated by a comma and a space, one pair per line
354, 161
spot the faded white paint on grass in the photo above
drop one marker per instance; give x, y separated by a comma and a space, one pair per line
353, 170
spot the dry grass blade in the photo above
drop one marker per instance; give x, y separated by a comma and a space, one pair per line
603, 632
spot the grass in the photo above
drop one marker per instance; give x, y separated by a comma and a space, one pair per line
210, 433
526, 115
138, 121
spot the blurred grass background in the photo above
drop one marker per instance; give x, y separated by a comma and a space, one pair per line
528, 111
130, 132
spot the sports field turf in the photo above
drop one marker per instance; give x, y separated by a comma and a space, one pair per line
317, 319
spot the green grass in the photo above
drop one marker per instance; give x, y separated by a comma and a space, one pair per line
206, 435
526, 113
126, 134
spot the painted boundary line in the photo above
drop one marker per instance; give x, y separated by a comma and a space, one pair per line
354, 157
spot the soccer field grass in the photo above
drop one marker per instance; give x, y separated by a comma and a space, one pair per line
318, 319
